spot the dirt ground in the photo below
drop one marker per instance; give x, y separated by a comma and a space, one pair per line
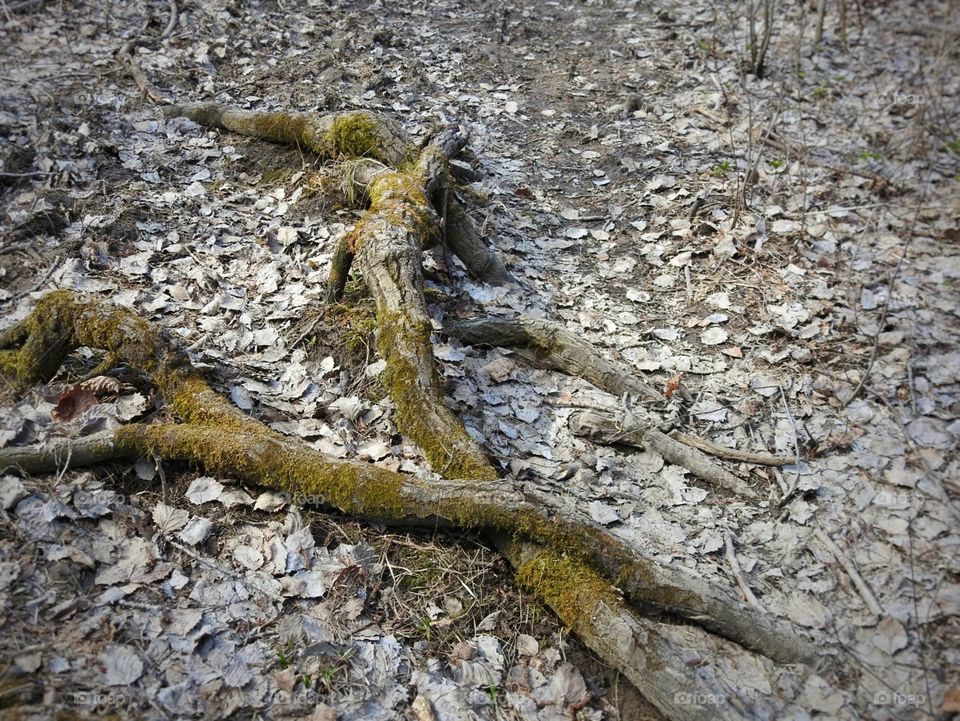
790, 244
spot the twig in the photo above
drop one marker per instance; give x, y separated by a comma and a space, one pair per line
890, 287
738, 574
796, 442
172, 21
125, 55
32, 174
866, 593
39, 284
732, 454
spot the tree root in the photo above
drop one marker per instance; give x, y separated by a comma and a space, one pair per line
549, 345
360, 134
575, 566
223, 440
604, 428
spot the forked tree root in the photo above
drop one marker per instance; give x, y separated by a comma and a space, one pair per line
360, 134
594, 581
548, 345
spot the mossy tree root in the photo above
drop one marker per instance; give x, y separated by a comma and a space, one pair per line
361, 134
218, 436
354, 134
571, 559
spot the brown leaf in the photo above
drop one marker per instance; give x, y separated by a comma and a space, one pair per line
673, 385
72, 403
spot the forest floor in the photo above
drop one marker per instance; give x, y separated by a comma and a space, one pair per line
791, 245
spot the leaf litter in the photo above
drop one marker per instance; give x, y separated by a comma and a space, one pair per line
218, 598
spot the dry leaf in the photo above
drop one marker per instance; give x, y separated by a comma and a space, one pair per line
673, 385
72, 403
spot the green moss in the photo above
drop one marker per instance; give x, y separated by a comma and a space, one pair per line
567, 585
422, 413
397, 201
355, 135
362, 328
281, 127
274, 177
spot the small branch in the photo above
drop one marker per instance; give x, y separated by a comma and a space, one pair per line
172, 21
605, 428
738, 574
866, 593
732, 454
552, 346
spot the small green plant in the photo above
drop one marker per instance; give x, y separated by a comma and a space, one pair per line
954, 146
776, 163
821, 92
285, 654
703, 46
339, 663
424, 627
870, 155
493, 693
721, 168
326, 676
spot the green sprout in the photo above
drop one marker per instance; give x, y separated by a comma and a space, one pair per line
721, 168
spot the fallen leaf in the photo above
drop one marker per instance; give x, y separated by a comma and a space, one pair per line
72, 403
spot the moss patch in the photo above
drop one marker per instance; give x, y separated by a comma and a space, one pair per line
569, 586
355, 135
422, 413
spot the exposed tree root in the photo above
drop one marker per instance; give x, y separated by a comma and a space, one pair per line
593, 580
360, 134
220, 438
549, 345
604, 428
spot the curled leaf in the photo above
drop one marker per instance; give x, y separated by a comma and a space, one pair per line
72, 403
